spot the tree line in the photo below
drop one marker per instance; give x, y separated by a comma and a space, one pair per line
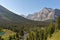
33, 31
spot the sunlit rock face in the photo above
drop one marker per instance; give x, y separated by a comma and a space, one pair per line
44, 14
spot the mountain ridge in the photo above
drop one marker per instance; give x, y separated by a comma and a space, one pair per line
44, 14
7, 14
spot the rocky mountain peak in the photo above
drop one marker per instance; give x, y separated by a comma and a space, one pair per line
44, 14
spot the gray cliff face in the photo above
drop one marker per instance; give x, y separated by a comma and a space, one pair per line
44, 14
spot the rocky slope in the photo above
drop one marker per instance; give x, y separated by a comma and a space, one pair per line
44, 14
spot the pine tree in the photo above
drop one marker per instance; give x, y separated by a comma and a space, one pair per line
0, 38
50, 29
57, 25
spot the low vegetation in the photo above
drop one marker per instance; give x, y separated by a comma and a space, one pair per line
55, 36
30, 31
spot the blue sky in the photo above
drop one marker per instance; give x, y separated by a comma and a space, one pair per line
29, 6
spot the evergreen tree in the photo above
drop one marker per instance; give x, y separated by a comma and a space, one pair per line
0, 38
10, 38
57, 25
50, 29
